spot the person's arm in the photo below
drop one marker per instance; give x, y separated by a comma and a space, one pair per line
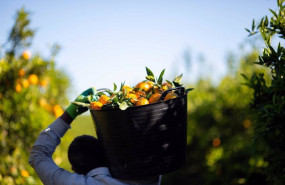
41, 154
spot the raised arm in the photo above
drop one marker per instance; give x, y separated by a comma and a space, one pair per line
45, 145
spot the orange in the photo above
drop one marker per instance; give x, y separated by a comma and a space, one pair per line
57, 110
21, 72
154, 98
140, 94
156, 89
18, 87
132, 97
151, 83
142, 101
170, 96
44, 82
104, 99
43, 102
33, 79
96, 105
126, 89
144, 86
26, 54
165, 86
25, 173
216, 142
25, 83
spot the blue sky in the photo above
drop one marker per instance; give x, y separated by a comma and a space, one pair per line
112, 41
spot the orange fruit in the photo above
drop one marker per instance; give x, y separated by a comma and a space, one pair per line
104, 99
25, 83
154, 98
144, 86
165, 86
170, 96
156, 89
96, 105
33, 79
140, 94
126, 89
57, 110
18, 87
216, 142
142, 101
151, 83
21, 72
25, 173
44, 82
26, 54
132, 97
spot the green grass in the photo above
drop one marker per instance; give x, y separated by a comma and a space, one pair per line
82, 125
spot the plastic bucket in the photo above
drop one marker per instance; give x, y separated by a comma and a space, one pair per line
146, 140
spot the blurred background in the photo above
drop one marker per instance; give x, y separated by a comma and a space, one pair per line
51, 51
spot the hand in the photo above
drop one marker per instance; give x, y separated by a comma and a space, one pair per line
74, 110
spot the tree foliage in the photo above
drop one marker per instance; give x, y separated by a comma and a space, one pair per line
269, 100
32, 91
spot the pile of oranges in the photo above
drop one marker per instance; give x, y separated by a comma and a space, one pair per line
145, 92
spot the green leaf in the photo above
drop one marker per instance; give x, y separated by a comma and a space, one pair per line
253, 25
177, 79
122, 84
169, 82
115, 87
160, 78
148, 95
150, 78
244, 76
177, 84
188, 90
149, 72
274, 13
123, 106
248, 30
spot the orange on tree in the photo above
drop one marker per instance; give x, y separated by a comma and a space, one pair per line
142, 101
25, 173
25, 83
33, 79
132, 97
18, 87
144, 86
44, 82
104, 99
96, 105
58, 111
154, 98
216, 142
170, 96
26, 54
21, 72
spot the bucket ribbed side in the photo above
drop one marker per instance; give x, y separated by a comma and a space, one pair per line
144, 141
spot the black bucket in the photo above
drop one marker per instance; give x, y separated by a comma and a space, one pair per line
146, 140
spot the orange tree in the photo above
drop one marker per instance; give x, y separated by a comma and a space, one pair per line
268, 102
32, 91
220, 130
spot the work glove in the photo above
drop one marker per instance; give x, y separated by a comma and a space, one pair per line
75, 109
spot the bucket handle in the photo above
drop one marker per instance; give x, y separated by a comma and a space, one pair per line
103, 89
172, 89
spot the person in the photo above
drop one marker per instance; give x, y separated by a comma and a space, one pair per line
85, 154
